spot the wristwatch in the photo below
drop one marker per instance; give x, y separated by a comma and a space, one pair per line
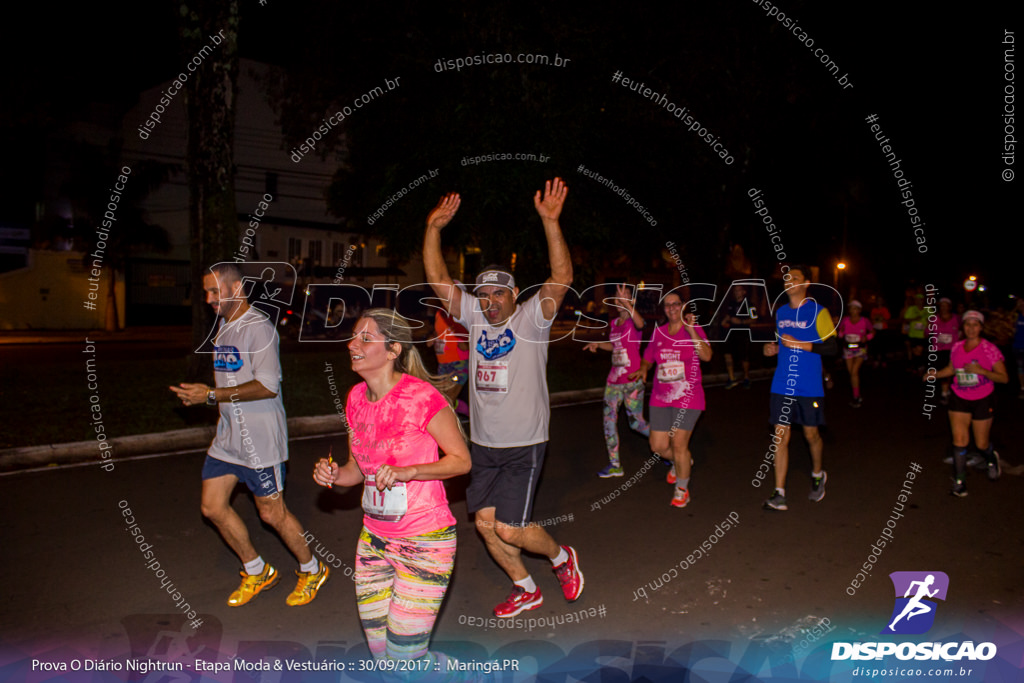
211, 397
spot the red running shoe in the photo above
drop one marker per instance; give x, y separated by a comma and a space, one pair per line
519, 601
570, 576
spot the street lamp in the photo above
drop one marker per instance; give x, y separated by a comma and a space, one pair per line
840, 265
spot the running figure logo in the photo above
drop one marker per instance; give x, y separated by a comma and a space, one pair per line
914, 612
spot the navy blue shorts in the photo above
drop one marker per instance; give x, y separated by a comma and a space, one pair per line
265, 481
797, 410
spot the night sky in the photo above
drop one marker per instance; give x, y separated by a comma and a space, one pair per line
934, 80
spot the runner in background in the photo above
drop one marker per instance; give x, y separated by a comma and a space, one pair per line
806, 333
1018, 345
915, 321
879, 347
452, 348
976, 364
855, 332
624, 342
737, 313
677, 400
947, 332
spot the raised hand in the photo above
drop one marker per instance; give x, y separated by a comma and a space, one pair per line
549, 205
444, 212
622, 295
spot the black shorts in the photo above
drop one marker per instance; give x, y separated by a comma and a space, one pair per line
980, 409
797, 410
738, 346
505, 479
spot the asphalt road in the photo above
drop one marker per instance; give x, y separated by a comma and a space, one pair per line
77, 587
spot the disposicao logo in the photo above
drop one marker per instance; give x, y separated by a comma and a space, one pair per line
913, 613
916, 593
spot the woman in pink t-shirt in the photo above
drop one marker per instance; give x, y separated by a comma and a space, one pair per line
397, 420
855, 331
976, 364
677, 399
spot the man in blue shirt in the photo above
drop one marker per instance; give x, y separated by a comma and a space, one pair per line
806, 332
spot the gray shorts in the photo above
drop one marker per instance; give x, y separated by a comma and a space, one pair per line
663, 419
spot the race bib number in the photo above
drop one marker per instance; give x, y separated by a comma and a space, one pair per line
672, 371
620, 358
439, 346
389, 505
966, 379
852, 338
945, 338
917, 325
880, 325
492, 376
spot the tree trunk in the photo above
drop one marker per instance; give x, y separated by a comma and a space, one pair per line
111, 321
210, 94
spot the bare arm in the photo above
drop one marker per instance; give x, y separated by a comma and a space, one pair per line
623, 299
641, 374
455, 461
947, 371
433, 260
997, 374
326, 472
703, 348
549, 208
195, 394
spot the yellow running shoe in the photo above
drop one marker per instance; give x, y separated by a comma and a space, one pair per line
308, 585
252, 584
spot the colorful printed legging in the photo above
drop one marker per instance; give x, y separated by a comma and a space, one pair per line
400, 584
632, 395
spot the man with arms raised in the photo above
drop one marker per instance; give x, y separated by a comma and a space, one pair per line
251, 444
509, 410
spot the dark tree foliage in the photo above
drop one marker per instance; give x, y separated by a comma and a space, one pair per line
210, 95
738, 73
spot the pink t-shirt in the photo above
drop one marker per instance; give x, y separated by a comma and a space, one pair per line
947, 332
625, 339
393, 431
677, 379
969, 385
856, 332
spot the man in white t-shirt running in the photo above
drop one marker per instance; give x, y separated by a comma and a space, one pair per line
251, 444
509, 408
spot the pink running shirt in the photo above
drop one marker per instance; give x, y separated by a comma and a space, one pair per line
625, 339
968, 385
677, 377
393, 431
